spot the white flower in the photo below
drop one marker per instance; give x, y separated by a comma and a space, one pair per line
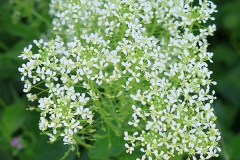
43, 124
130, 148
32, 97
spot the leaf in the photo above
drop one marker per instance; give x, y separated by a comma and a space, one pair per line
220, 51
17, 49
84, 155
19, 29
3, 155
230, 17
41, 150
9, 62
229, 86
231, 21
233, 148
224, 122
13, 117
108, 145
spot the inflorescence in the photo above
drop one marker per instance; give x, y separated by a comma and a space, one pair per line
134, 63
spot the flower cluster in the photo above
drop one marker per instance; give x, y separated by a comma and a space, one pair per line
140, 62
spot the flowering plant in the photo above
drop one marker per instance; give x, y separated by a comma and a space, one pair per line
122, 63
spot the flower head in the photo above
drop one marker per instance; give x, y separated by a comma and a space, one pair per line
146, 58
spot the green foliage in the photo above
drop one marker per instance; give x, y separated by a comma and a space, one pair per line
109, 145
13, 118
226, 71
24, 20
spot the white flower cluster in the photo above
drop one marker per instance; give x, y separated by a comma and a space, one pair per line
149, 55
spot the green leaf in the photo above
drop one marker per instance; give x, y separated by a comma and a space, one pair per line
224, 122
3, 155
231, 21
17, 49
221, 51
229, 86
84, 155
230, 17
13, 117
41, 150
9, 62
20, 29
233, 148
108, 145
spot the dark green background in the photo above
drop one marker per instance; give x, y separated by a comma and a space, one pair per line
21, 21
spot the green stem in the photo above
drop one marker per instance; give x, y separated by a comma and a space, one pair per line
153, 27
109, 139
102, 111
40, 17
103, 116
79, 141
123, 28
66, 154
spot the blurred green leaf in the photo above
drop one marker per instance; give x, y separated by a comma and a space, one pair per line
17, 49
233, 148
224, 121
229, 86
49, 151
223, 53
231, 21
8, 68
4, 141
231, 15
19, 29
9, 62
3, 155
13, 117
109, 145
84, 155
33, 118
